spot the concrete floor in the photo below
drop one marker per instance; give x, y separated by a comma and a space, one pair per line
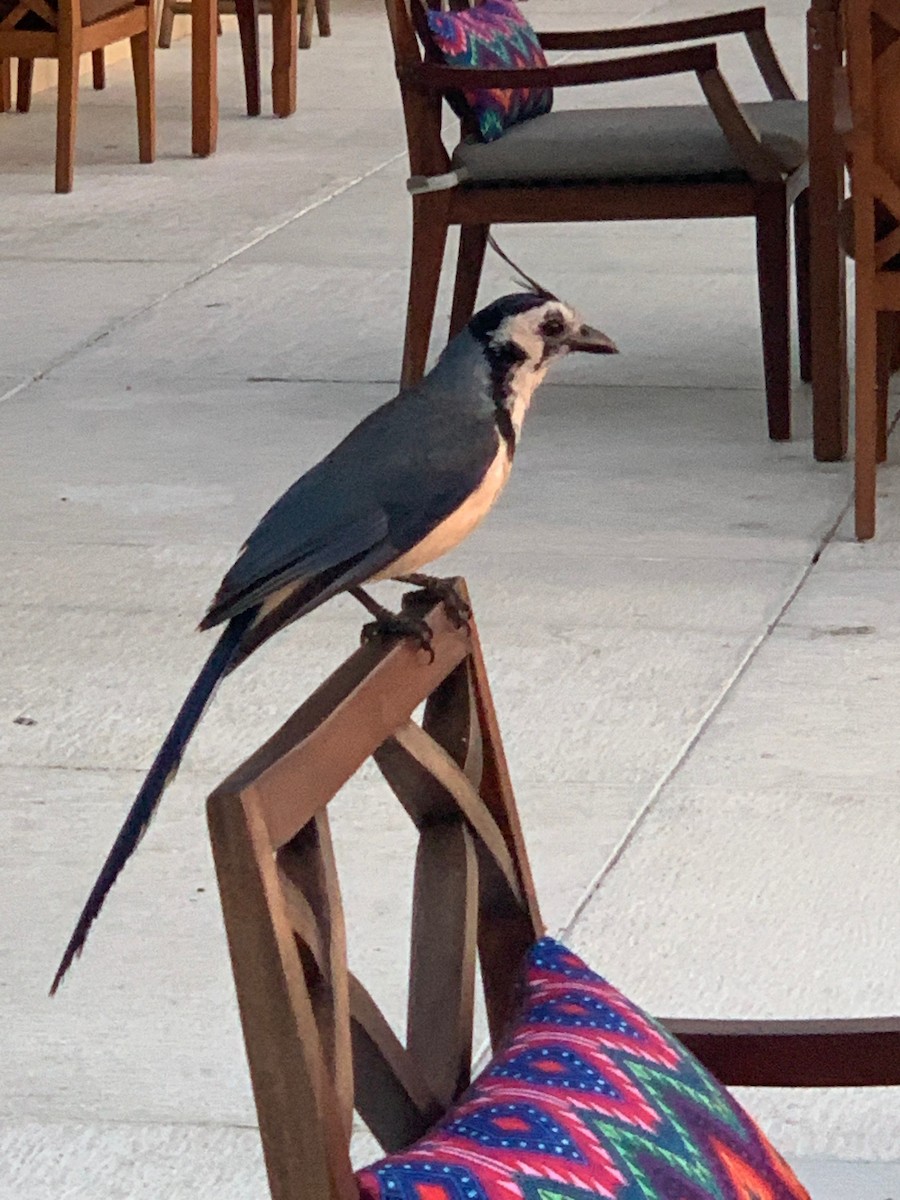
695, 666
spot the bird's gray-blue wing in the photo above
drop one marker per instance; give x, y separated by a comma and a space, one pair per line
396, 476
272, 559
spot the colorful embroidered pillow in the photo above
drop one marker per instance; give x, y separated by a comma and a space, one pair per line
493, 35
589, 1097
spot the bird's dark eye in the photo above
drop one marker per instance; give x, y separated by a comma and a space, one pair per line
553, 326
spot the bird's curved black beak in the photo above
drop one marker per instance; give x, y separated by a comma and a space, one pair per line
592, 341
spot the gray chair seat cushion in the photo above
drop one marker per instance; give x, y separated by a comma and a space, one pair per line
641, 145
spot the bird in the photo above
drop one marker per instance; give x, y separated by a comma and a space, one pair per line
406, 485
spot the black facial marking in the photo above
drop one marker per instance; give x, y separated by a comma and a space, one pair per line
503, 360
507, 430
552, 326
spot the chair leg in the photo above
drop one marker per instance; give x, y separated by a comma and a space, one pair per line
24, 74
472, 245
143, 64
773, 262
307, 11
66, 117
429, 239
166, 22
323, 17
804, 295
98, 69
866, 417
247, 12
285, 39
5, 85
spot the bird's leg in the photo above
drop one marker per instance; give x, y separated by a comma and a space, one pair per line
391, 624
435, 588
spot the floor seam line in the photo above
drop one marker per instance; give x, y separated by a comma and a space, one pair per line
706, 720
120, 322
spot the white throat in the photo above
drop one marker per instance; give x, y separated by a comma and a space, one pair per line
524, 381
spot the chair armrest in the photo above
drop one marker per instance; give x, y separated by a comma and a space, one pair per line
756, 159
435, 77
751, 22
830, 1053
689, 30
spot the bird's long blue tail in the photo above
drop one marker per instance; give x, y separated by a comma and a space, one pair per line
163, 770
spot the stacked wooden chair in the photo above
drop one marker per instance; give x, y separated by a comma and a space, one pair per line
873, 144
64, 30
318, 1045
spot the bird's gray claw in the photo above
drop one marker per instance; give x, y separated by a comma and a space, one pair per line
444, 590
400, 625
458, 610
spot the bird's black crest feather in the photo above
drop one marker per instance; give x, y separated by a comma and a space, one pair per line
537, 288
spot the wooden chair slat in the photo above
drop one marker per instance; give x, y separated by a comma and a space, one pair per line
393, 1097
451, 718
303, 920
831, 1053
887, 11
308, 861
886, 189
432, 788
43, 10
887, 247
496, 786
442, 958
11, 20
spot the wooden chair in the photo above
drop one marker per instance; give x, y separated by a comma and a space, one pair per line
517, 178
317, 1044
248, 13
873, 40
64, 30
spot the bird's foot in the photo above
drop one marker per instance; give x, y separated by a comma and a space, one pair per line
435, 589
388, 624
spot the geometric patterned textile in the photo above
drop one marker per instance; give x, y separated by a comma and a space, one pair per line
588, 1097
492, 34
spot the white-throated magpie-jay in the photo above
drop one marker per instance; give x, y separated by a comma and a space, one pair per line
405, 486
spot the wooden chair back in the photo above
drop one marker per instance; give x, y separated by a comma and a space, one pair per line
52, 14
872, 29
422, 110
317, 1043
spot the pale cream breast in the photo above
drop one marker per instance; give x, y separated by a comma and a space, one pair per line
455, 528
